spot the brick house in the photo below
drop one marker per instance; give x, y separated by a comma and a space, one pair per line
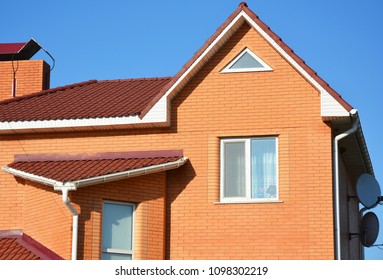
235, 157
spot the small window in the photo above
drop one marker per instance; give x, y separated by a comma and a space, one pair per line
246, 61
249, 169
117, 231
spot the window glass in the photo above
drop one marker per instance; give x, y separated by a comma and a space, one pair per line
113, 256
117, 230
234, 169
263, 168
249, 169
246, 61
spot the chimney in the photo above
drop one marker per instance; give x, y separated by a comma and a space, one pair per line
18, 74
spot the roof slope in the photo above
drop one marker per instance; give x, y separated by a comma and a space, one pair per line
74, 167
16, 245
223, 33
92, 99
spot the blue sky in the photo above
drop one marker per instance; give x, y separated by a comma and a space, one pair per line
341, 40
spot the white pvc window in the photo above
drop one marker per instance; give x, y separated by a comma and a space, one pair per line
249, 169
117, 231
246, 61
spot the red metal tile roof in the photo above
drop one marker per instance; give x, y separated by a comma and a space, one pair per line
73, 167
92, 99
16, 245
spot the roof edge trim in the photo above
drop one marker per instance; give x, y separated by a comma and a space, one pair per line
244, 13
157, 119
130, 173
96, 156
363, 146
31, 177
73, 185
293, 59
199, 56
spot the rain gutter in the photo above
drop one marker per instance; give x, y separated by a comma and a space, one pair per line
353, 129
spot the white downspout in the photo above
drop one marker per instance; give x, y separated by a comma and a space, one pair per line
74, 221
337, 138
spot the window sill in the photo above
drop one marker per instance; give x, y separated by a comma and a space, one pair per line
250, 202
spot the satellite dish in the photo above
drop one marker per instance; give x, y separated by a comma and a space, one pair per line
368, 190
369, 229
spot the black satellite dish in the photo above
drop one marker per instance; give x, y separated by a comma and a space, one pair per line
369, 229
368, 190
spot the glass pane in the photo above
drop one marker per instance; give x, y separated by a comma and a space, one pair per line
112, 256
234, 181
263, 168
117, 223
246, 61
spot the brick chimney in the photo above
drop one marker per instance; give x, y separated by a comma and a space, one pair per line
18, 74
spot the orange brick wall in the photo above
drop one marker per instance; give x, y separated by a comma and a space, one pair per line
31, 76
211, 106
148, 195
42, 214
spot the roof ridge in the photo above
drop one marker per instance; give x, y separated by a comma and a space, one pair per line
97, 156
137, 79
243, 7
302, 63
47, 91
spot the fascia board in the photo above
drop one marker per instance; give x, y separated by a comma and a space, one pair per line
200, 59
31, 177
157, 115
329, 105
73, 185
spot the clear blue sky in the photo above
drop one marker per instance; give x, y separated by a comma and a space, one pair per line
340, 39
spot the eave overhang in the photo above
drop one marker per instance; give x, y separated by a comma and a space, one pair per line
74, 184
353, 148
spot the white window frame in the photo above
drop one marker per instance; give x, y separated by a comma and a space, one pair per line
119, 251
247, 197
265, 66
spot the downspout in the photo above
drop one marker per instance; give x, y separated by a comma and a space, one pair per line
337, 138
74, 221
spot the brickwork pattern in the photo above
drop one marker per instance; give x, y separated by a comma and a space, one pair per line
211, 106
31, 76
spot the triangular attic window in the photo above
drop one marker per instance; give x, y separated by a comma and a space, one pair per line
246, 61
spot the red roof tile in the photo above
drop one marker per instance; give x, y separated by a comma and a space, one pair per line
16, 245
73, 167
92, 99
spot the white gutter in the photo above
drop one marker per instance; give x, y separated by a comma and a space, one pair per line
74, 220
30, 176
337, 138
73, 185
128, 174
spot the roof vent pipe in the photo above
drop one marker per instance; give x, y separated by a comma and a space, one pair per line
74, 221
353, 129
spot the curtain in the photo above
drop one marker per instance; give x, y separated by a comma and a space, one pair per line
235, 171
263, 168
